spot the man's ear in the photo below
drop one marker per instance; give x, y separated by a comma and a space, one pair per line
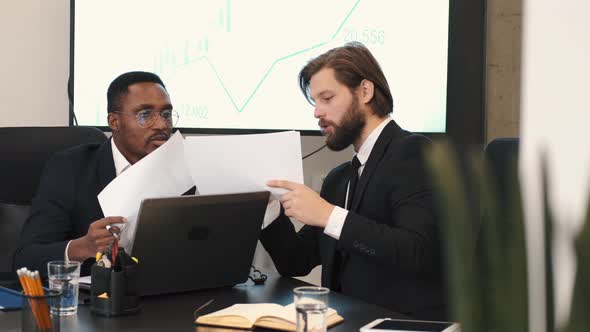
113, 121
367, 90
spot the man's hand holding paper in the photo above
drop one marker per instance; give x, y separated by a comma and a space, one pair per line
303, 204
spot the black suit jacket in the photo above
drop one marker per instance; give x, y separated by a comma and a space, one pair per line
390, 238
65, 204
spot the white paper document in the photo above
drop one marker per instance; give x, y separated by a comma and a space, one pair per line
242, 163
162, 173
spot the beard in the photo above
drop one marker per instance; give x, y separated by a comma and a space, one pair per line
349, 129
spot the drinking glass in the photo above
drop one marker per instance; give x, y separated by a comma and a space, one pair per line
311, 304
63, 276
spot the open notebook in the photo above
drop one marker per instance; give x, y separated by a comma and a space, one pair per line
265, 315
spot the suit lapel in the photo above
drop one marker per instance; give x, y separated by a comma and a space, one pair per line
106, 165
390, 131
336, 196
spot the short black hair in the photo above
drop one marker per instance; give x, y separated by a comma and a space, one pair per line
119, 87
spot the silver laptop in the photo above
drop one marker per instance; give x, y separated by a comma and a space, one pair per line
197, 242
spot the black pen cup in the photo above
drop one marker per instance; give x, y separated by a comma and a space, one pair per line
113, 291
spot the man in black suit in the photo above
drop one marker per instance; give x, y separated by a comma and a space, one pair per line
66, 221
376, 236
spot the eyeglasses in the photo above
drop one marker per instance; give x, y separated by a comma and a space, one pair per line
147, 118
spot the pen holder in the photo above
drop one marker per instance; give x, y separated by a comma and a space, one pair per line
36, 312
113, 290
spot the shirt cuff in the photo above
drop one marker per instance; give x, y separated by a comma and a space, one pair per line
66, 258
273, 210
336, 222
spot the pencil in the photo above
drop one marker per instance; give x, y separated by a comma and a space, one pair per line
38, 303
45, 317
22, 277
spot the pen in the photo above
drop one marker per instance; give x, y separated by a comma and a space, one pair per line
108, 227
201, 308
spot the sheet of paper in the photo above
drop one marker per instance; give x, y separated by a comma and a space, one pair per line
162, 173
85, 280
242, 163
250, 311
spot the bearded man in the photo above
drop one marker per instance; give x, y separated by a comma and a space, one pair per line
373, 227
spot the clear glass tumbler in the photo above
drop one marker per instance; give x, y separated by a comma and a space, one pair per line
311, 304
63, 276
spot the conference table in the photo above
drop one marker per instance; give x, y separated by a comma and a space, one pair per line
174, 312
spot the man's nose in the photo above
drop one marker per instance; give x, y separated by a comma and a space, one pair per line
317, 113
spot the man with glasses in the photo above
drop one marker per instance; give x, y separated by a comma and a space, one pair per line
66, 221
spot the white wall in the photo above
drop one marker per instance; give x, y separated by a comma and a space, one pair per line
555, 121
34, 35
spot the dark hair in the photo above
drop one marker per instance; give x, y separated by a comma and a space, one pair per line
352, 64
119, 87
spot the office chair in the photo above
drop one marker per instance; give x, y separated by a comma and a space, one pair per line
502, 157
23, 154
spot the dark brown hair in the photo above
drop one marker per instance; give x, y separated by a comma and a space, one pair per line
352, 63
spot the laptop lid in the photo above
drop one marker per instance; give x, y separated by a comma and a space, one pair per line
197, 242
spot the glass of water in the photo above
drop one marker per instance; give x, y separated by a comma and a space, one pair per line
311, 304
63, 276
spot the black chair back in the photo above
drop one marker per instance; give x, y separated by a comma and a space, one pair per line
24, 152
502, 156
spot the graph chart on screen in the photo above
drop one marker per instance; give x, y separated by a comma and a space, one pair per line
234, 64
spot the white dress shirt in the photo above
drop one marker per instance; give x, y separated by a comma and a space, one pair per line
121, 165
338, 215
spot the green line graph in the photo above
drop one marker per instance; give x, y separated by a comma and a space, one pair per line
270, 69
228, 18
224, 19
345, 20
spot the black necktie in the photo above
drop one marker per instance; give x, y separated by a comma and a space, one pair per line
354, 179
340, 258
